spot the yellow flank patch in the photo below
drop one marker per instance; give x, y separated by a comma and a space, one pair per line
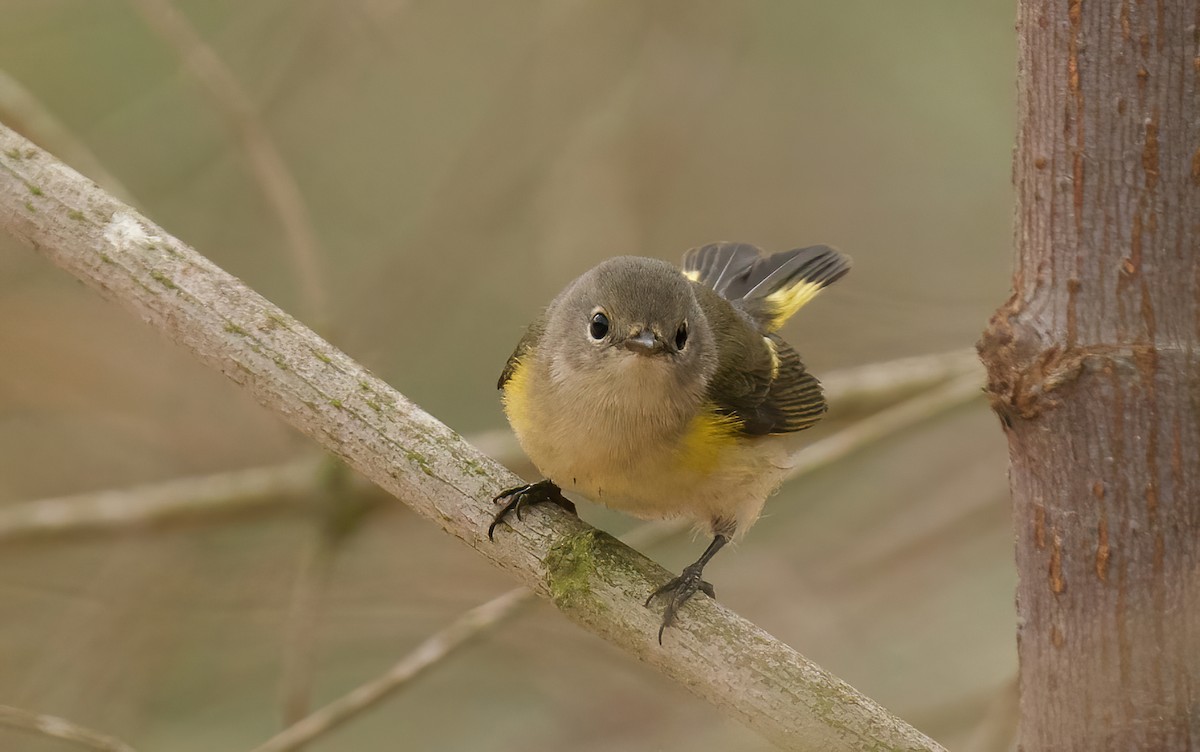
783, 304
692, 274
516, 397
707, 436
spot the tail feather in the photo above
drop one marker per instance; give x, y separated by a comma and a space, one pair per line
769, 288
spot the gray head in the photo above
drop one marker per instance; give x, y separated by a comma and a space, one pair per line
635, 324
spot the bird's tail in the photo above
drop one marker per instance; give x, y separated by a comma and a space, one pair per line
769, 288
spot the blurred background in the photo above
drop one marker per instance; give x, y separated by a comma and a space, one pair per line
417, 179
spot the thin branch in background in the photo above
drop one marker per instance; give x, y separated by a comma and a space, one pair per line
27, 114
430, 652
60, 728
874, 385
257, 490
887, 422
267, 164
300, 628
483, 618
342, 511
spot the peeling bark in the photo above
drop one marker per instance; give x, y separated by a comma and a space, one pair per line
1093, 370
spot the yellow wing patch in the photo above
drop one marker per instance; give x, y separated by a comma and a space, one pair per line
771, 348
706, 438
783, 304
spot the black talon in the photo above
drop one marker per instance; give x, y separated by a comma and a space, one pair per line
683, 587
523, 496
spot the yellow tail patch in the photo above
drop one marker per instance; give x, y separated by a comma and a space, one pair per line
782, 304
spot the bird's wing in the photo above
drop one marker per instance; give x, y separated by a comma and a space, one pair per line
528, 341
768, 392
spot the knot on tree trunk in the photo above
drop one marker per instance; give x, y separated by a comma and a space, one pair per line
1025, 371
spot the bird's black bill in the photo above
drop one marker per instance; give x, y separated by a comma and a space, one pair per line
520, 497
679, 590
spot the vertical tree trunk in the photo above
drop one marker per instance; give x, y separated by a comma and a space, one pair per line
1093, 369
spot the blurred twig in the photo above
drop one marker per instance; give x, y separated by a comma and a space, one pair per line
267, 164
60, 728
300, 628
428, 653
889, 421
592, 578
258, 489
28, 115
869, 387
342, 509
481, 619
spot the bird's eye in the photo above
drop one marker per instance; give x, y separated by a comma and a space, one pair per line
681, 336
598, 327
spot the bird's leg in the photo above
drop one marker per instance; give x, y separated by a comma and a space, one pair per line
678, 590
520, 497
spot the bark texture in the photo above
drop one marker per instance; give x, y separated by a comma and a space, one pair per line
1093, 369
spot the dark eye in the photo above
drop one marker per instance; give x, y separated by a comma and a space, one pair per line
681, 336
598, 327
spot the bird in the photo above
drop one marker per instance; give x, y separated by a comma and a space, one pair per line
667, 392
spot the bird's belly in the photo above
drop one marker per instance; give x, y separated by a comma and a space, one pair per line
622, 450
660, 480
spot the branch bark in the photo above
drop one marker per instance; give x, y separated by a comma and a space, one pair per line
1093, 368
592, 578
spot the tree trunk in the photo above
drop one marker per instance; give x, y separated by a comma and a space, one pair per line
1093, 369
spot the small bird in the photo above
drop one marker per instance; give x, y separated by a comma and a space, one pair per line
667, 393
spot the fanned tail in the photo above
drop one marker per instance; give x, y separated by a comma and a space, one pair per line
769, 288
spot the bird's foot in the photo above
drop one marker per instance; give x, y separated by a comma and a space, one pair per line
678, 591
519, 497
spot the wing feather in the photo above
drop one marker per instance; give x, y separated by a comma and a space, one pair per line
768, 288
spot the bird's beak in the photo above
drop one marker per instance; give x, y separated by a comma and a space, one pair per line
645, 342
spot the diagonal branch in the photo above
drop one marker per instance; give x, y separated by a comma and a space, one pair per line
60, 728
593, 579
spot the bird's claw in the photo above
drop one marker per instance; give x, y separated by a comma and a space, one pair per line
678, 591
520, 497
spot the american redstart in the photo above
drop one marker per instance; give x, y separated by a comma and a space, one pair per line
666, 393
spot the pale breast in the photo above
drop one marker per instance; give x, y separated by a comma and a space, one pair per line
615, 448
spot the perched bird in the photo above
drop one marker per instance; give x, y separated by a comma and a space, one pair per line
666, 393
